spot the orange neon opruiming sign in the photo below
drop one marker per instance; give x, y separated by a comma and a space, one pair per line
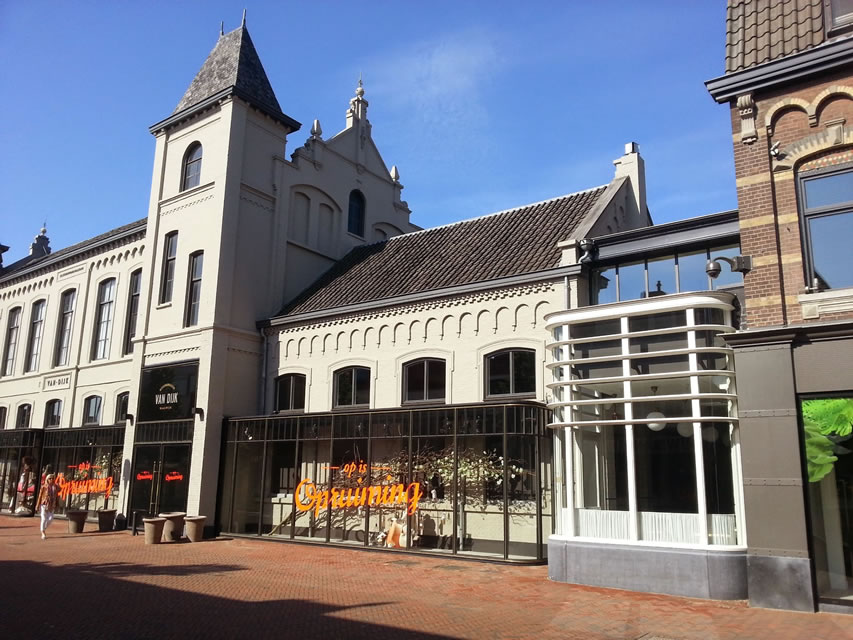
385, 495
90, 485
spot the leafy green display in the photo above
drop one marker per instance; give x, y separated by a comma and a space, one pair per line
827, 422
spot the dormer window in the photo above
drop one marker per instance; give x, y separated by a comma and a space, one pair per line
192, 167
355, 221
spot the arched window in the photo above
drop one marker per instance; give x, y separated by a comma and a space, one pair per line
511, 372
63, 328
352, 387
355, 222
25, 413
52, 413
192, 167
121, 407
424, 380
104, 319
13, 330
36, 334
92, 410
290, 392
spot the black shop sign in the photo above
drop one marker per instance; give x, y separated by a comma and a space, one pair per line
168, 392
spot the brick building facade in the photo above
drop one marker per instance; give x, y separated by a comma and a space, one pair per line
789, 85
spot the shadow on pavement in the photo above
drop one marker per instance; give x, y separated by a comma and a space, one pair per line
93, 601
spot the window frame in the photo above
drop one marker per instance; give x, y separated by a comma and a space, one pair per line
10, 347
134, 295
24, 409
103, 327
425, 362
806, 215
167, 273
35, 336
833, 26
191, 308
336, 385
290, 379
64, 328
48, 414
191, 180
99, 403
512, 381
4, 413
356, 228
122, 398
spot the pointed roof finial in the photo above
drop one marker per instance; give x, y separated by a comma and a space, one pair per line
222, 28
360, 90
44, 228
244, 18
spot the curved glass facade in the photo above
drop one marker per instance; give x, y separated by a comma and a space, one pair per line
645, 411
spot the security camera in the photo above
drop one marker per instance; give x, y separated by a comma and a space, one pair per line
713, 268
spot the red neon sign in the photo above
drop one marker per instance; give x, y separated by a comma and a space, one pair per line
144, 475
172, 476
91, 485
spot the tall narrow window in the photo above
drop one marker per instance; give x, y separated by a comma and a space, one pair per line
13, 329
25, 412
170, 252
63, 328
104, 319
132, 309
194, 289
290, 392
352, 387
52, 413
92, 410
424, 380
826, 200
36, 332
3, 417
192, 167
511, 372
355, 222
121, 407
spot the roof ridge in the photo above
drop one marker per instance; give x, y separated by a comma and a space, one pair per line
495, 213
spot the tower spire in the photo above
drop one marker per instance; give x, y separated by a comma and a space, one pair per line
244, 18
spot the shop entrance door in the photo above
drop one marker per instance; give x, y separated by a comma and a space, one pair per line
160, 478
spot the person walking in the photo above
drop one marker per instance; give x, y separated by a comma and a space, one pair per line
46, 503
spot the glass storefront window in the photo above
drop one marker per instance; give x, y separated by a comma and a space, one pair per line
604, 285
691, 271
827, 437
661, 276
632, 281
601, 482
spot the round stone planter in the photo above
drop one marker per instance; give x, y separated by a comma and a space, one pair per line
106, 519
174, 526
153, 529
76, 520
195, 527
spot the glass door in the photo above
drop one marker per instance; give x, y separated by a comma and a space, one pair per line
160, 478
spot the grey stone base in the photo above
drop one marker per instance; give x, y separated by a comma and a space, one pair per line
697, 573
780, 583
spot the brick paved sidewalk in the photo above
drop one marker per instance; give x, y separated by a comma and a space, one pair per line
111, 585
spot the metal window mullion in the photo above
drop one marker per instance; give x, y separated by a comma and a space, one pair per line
698, 453
633, 512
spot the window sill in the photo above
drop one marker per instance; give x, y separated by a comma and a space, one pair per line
814, 305
164, 305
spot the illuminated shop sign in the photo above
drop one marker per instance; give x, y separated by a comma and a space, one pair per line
89, 485
172, 476
144, 475
309, 497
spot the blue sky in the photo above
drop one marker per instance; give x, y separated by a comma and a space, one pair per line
482, 105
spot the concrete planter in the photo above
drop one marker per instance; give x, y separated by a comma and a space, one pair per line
106, 519
76, 520
174, 526
153, 529
195, 527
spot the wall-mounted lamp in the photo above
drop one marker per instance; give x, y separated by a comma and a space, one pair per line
198, 411
130, 416
739, 264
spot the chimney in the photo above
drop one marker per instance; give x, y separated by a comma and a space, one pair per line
632, 166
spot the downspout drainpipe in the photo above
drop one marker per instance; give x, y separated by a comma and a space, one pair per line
263, 394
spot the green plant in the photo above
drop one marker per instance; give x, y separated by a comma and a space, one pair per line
826, 422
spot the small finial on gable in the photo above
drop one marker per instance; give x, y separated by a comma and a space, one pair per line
244, 18
222, 28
